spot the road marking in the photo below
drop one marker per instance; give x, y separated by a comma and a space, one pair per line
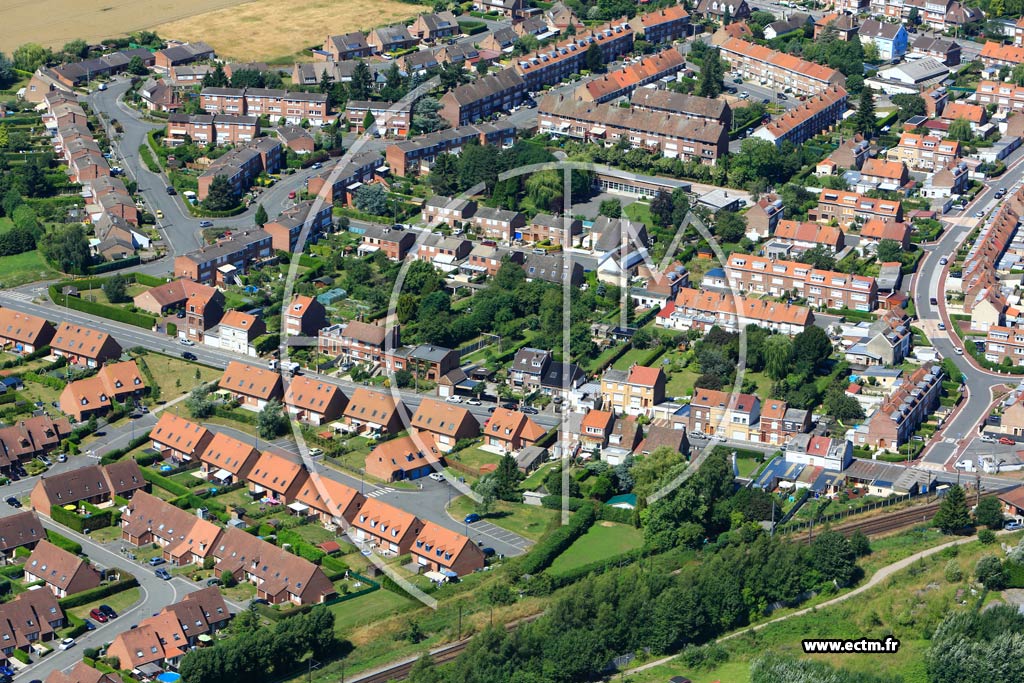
380, 492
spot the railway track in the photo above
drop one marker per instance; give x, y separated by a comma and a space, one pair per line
884, 523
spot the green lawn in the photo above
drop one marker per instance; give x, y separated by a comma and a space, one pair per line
529, 521
371, 607
536, 478
680, 383
177, 376
120, 602
602, 541
24, 268
639, 211
630, 357
475, 457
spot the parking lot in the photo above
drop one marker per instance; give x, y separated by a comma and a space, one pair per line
1006, 456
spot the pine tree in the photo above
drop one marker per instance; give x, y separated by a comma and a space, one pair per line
325, 83
864, 120
712, 72
593, 58
953, 515
359, 87
261, 217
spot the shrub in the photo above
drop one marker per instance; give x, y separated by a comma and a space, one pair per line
953, 572
103, 310
21, 656
59, 540
165, 483
98, 593
555, 543
986, 536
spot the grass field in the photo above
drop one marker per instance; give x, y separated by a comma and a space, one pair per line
603, 540
120, 602
529, 521
177, 376
376, 605
24, 268
55, 22
269, 29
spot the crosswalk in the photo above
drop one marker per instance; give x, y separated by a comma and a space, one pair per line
380, 492
20, 296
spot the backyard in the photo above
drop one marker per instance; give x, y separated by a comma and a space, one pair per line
176, 376
602, 541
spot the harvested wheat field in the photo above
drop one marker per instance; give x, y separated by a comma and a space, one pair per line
267, 29
55, 22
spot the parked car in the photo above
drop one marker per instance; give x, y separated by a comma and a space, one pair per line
99, 616
987, 439
781, 96
259, 601
13, 502
509, 406
291, 195
942, 326
1013, 526
933, 301
528, 410
171, 190
156, 561
186, 342
108, 610
744, 95
1007, 441
188, 355
62, 458
313, 452
213, 582
959, 351
162, 573
472, 517
453, 399
67, 643
979, 214
179, 314
488, 552
474, 402
943, 261
436, 476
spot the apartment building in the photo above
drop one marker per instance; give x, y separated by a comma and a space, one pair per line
666, 24
733, 416
675, 137
632, 392
821, 288
622, 82
925, 152
687, 106
817, 115
694, 309
409, 157
211, 129
903, 411
242, 165
848, 208
1003, 343
348, 46
340, 186
777, 70
391, 118
357, 341
441, 209
485, 96
998, 55
293, 107
285, 230
222, 262
553, 64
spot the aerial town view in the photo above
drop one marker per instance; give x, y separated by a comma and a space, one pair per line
512, 341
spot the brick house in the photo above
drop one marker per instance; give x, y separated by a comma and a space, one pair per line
21, 333
227, 460
390, 38
497, 224
178, 439
394, 243
358, 341
440, 550
95, 395
445, 422
404, 459
251, 386
510, 430
222, 262
63, 573
314, 401
84, 345
330, 500
304, 316
277, 477
633, 392
433, 25
903, 411
390, 530
20, 530
375, 412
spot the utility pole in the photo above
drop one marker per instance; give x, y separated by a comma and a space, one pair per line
459, 637
977, 486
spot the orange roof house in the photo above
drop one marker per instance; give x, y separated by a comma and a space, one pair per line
94, 395
375, 411
446, 422
253, 387
329, 499
277, 477
304, 315
408, 457
596, 427
439, 549
23, 333
510, 430
228, 460
158, 640
84, 345
313, 400
385, 527
179, 439
875, 230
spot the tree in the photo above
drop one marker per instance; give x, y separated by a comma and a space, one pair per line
593, 58
478, 164
34, 179
452, 76
75, 50
116, 289
908, 106
425, 118
136, 67
889, 250
220, 196
953, 572
778, 356
960, 130
989, 513
833, 556
507, 477
67, 247
841, 405
271, 421
661, 208
710, 83
611, 208
248, 78
444, 175
368, 120
362, 79
871, 54
989, 573
227, 579
953, 515
811, 347
864, 120
30, 56
482, 67
198, 403
730, 226
372, 199
913, 16
860, 544
216, 78
260, 218
7, 74
819, 256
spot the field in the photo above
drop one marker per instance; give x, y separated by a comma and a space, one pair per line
267, 29
602, 541
55, 22
177, 376
528, 521
24, 268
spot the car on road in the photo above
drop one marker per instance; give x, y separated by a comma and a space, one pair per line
943, 261
718, 437
156, 561
186, 342
933, 301
1013, 526
13, 502
999, 194
108, 610
781, 96
744, 95
317, 166
159, 214
472, 517
959, 351
313, 452
436, 476
942, 326
492, 409
453, 399
188, 355
162, 573
1007, 441
171, 190
291, 195
987, 439
62, 457
737, 80
509, 406
979, 214
474, 402
98, 615
213, 582
67, 643
89, 626
529, 410
205, 224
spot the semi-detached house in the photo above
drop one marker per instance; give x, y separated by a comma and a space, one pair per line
443, 550
277, 477
178, 439
227, 460
84, 345
22, 333
634, 391
314, 401
251, 386
386, 528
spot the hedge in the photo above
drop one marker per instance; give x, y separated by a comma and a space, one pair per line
245, 417
154, 386
333, 567
558, 541
13, 571
471, 28
149, 280
1014, 574
165, 483
60, 540
98, 593
100, 519
118, 453
108, 266
103, 310
76, 626
46, 380
21, 656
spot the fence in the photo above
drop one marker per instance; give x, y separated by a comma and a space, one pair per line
892, 500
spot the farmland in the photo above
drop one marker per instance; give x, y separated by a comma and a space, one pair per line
268, 29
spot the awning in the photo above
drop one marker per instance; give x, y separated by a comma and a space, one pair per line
222, 474
150, 669
297, 506
598, 130
436, 576
449, 573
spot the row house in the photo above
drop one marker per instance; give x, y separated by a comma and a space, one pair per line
804, 235
487, 260
689, 106
296, 138
394, 243
445, 551
559, 16
443, 252
665, 25
903, 411
440, 209
385, 528
834, 455
510, 9
29, 438
701, 310
622, 82
528, 368
1002, 343
426, 361
313, 401
293, 107
404, 459
276, 478
21, 333
673, 136
943, 49
333, 185
84, 345
1006, 96
226, 460
304, 315
251, 386
211, 129
879, 174
886, 341
777, 70
974, 114
286, 229
726, 414
181, 53
242, 165
203, 305
998, 55
817, 115
375, 413
391, 118
390, 39
31, 617
329, 501
554, 230
595, 429
844, 26
779, 423
510, 431
222, 262
553, 64
925, 152
552, 268
431, 26
187, 75
60, 571
77, 73
737, 10
485, 96
821, 288
94, 396
497, 224
96, 484
875, 230
847, 208
159, 95
345, 47
938, 14
633, 392
409, 157
178, 439
357, 342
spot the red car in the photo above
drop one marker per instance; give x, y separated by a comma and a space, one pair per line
98, 615
1006, 441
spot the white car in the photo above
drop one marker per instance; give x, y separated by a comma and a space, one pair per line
959, 351
67, 643
186, 342
474, 402
987, 439
453, 399
436, 476
718, 437
313, 452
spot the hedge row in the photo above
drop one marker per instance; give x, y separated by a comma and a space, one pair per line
60, 540
558, 541
108, 266
149, 280
76, 626
333, 567
96, 520
46, 380
13, 571
165, 483
118, 453
300, 546
154, 386
98, 593
245, 417
471, 28
41, 352
103, 310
